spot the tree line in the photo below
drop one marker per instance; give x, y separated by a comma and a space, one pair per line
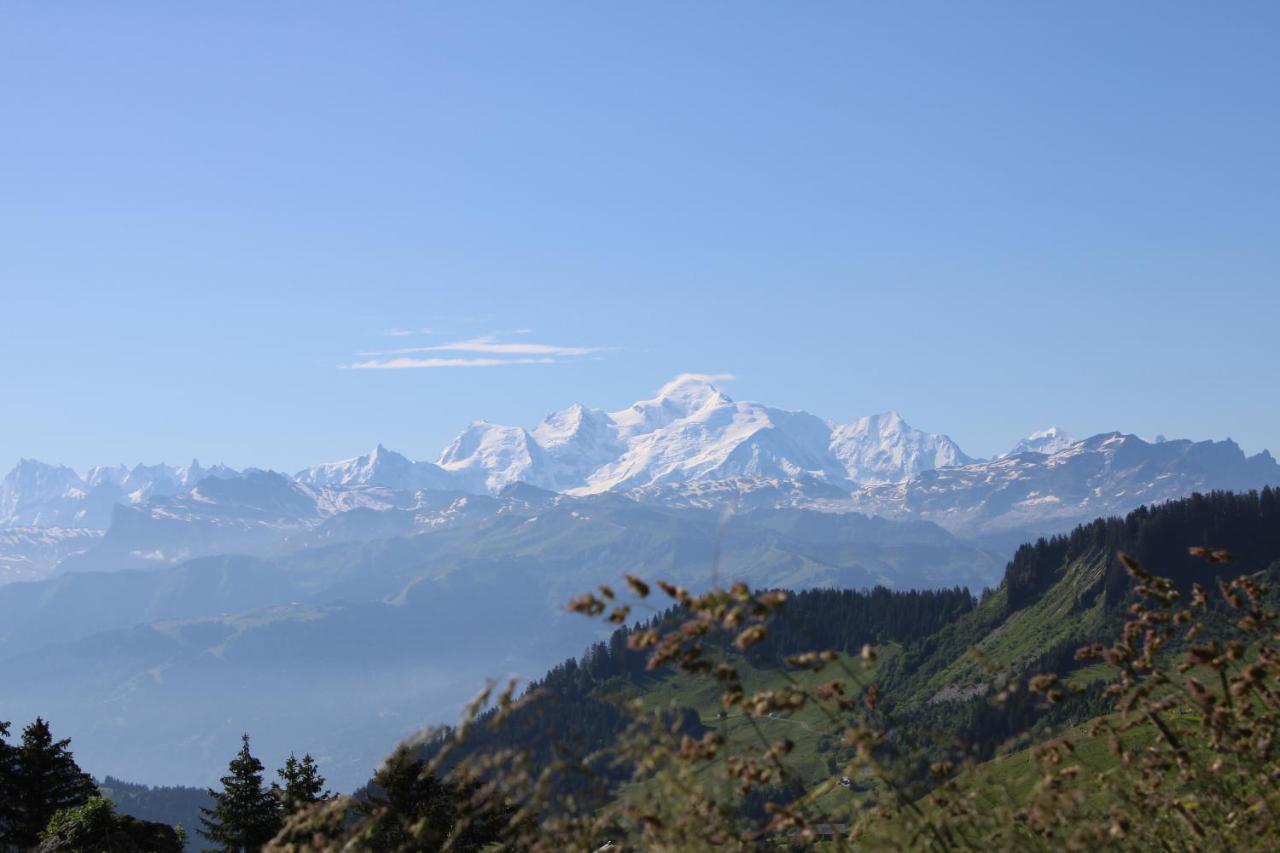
576, 708
1247, 524
46, 797
38, 778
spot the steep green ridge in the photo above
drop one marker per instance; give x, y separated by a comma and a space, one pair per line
936, 681
991, 643
1062, 592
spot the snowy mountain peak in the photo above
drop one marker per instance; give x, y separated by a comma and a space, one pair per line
34, 473
691, 392
560, 427
481, 437
682, 397
28, 490
100, 474
884, 448
378, 467
1046, 441
35, 493
380, 456
191, 473
488, 457
691, 442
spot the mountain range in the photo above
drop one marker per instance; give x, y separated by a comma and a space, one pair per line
339, 608
691, 445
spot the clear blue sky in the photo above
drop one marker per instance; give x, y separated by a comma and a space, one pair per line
991, 217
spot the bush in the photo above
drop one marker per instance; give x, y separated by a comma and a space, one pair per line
96, 828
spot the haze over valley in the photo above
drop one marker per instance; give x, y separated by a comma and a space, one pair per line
145, 605
638, 427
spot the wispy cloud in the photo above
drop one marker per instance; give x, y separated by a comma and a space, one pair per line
409, 333
425, 363
490, 350
492, 347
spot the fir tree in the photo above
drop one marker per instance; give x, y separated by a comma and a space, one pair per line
43, 779
303, 784
245, 815
8, 786
410, 808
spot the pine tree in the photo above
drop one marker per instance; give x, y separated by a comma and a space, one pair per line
410, 808
245, 815
303, 784
8, 786
44, 779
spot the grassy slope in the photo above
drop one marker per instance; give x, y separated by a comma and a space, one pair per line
988, 641
964, 654
1012, 778
804, 728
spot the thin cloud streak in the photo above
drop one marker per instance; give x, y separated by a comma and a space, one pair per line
492, 347
428, 363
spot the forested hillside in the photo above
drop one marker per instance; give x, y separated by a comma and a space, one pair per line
175, 805
936, 683
826, 710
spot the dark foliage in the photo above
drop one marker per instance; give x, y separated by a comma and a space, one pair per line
39, 778
245, 814
843, 620
173, 805
754, 802
8, 786
303, 784
1034, 568
1246, 525
95, 827
407, 807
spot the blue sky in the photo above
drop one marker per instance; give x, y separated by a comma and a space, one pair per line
991, 217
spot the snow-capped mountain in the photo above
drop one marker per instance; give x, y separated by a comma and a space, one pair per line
576, 442
691, 445
36, 494
1047, 441
884, 449
692, 432
1032, 493
378, 467
41, 495
689, 432
487, 457
141, 482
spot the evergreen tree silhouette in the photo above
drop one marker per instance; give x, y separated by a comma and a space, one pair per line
8, 786
43, 778
303, 784
411, 808
245, 814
